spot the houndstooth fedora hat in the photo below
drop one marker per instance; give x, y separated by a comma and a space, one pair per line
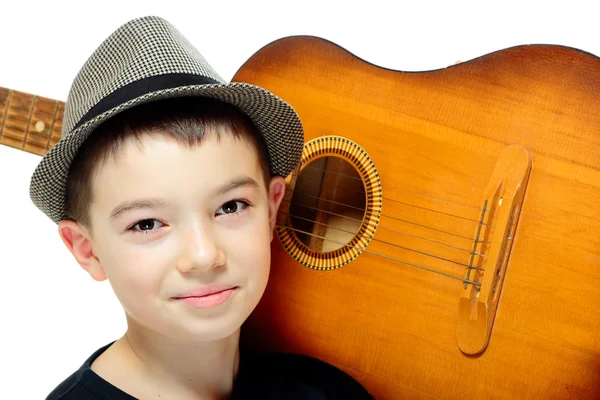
146, 60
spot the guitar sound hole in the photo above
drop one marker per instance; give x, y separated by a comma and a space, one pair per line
328, 204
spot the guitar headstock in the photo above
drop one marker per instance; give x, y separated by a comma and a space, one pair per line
28, 122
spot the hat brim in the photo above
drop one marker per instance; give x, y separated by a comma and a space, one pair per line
274, 118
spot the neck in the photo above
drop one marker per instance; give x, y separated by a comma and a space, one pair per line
157, 365
30, 123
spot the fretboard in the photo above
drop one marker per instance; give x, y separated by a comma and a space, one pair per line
28, 122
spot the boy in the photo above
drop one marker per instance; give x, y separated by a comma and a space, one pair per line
167, 182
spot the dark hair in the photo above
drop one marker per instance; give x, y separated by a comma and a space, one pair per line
187, 120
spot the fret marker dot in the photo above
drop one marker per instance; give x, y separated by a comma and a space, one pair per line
39, 126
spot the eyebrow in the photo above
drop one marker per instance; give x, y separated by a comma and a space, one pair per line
241, 181
126, 206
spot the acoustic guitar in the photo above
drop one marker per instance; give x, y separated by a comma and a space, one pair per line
440, 238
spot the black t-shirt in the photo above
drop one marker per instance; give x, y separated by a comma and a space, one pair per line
267, 376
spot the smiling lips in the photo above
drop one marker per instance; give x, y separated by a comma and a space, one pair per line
206, 297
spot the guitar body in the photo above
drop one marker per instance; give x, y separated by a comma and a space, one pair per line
433, 143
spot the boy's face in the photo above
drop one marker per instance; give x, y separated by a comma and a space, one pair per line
167, 219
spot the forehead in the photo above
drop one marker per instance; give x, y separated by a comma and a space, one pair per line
158, 165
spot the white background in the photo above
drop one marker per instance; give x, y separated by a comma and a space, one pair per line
52, 315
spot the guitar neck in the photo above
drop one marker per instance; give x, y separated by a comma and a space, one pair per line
28, 122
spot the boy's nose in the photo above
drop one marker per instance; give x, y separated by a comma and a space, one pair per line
200, 250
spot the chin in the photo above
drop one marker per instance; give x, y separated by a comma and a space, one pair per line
210, 332
210, 328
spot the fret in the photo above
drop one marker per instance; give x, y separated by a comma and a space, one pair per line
16, 119
57, 124
30, 123
40, 126
4, 101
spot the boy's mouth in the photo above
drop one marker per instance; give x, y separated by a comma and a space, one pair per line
202, 291
206, 296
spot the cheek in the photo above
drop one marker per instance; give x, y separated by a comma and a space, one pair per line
251, 251
134, 273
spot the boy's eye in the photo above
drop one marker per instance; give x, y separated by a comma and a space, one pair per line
146, 225
232, 207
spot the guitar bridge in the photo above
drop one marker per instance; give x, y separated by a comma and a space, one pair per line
502, 204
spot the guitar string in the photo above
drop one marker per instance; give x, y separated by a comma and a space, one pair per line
386, 256
384, 198
387, 216
392, 187
394, 244
471, 252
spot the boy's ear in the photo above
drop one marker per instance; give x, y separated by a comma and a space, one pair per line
276, 192
76, 238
